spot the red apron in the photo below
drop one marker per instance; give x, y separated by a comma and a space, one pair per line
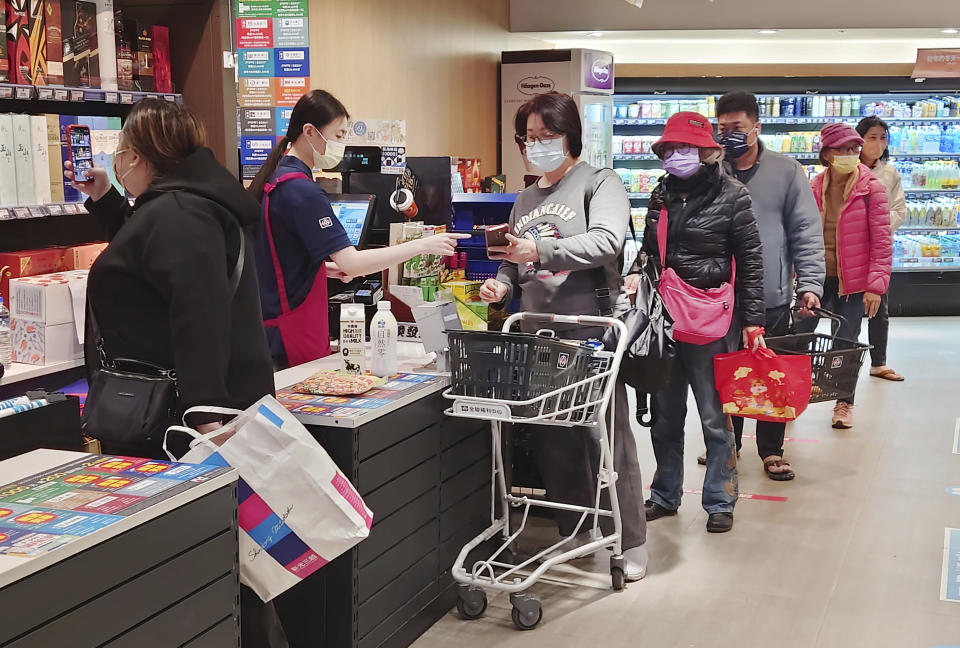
304, 330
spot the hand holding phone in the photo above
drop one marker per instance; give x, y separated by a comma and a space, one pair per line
496, 236
81, 152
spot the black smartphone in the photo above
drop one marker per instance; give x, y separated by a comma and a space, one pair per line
81, 151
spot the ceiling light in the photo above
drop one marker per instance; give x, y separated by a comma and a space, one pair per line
950, 31
767, 32
595, 34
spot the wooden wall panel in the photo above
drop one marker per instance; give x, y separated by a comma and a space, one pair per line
433, 63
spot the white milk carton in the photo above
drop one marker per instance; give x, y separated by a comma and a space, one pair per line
352, 338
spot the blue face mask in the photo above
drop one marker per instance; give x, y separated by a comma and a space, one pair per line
735, 144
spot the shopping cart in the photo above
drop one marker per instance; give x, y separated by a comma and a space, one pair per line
508, 377
836, 362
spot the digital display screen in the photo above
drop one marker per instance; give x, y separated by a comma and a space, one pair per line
352, 214
81, 152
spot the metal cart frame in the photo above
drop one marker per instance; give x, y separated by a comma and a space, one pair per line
587, 402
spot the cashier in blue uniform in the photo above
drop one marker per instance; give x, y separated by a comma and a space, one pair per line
300, 242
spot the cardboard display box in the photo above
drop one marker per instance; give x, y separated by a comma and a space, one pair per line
41, 344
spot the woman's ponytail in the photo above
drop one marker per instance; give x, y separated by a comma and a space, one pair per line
317, 107
267, 170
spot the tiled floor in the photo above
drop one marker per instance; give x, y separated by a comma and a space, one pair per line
852, 559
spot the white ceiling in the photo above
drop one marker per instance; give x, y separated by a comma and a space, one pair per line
748, 46
592, 15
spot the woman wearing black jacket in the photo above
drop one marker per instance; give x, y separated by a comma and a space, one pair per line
711, 223
161, 290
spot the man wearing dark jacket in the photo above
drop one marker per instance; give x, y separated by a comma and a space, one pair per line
792, 235
710, 225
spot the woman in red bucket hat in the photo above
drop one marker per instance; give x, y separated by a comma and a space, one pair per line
857, 239
709, 241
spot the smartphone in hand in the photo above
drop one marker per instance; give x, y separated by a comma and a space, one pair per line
81, 151
497, 236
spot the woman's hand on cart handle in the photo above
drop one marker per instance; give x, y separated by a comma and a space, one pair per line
493, 291
753, 338
809, 302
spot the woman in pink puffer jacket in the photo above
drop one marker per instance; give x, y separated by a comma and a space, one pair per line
857, 240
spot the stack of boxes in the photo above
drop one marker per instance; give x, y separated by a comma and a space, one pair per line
47, 317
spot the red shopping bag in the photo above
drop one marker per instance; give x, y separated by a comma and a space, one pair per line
762, 385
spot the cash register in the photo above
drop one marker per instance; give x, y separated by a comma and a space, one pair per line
355, 212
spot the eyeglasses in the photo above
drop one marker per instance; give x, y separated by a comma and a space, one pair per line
530, 141
683, 149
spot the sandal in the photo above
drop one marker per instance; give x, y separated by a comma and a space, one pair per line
778, 462
888, 374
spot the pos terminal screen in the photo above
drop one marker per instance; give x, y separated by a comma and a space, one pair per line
355, 213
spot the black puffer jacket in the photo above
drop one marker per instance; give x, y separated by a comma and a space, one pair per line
710, 221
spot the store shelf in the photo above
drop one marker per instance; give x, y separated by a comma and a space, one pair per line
20, 372
908, 156
638, 196
9, 91
484, 197
639, 156
932, 231
41, 211
928, 264
799, 120
936, 192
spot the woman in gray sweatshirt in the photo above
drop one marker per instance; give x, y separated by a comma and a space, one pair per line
564, 256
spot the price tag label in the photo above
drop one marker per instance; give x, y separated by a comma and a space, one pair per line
61, 94
21, 212
153, 96
45, 94
55, 210
5, 215
76, 95
6, 93
82, 209
937, 260
949, 260
37, 212
911, 260
126, 98
171, 98
111, 97
70, 208
24, 93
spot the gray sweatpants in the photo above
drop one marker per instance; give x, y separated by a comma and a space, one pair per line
569, 459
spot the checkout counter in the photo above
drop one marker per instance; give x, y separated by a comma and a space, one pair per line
426, 478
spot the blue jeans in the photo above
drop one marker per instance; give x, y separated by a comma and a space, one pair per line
694, 368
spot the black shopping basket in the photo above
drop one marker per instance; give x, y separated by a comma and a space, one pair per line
836, 362
516, 366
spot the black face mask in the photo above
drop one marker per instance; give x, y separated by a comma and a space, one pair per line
734, 144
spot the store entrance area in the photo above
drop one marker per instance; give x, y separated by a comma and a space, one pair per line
852, 556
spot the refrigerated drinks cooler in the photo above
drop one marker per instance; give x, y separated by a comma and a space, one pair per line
586, 75
924, 144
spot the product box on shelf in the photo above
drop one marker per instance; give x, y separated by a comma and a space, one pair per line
125, 59
18, 41
162, 76
41, 344
81, 257
141, 44
53, 29
81, 54
53, 158
48, 299
105, 140
23, 159
4, 61
27, 263
41, 160
8, 168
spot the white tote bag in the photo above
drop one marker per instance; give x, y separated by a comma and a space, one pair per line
296, 510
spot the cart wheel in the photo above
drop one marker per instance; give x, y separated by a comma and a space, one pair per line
471, 603
619, 580
527, 612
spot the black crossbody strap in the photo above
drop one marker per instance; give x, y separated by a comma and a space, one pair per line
602, 290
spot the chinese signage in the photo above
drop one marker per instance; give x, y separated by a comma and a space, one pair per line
273, 64
389, 134
937, 64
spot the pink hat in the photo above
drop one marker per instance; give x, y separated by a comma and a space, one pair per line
836, 135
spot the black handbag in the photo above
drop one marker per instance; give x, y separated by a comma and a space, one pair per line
648, 359
131, 403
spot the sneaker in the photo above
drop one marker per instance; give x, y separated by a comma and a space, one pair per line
843, 416
635, 563
719, 522
654, 511
579, 540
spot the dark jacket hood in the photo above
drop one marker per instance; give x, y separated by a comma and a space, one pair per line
202, 175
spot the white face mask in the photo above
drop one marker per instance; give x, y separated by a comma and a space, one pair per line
332, 156
122, 176
547, 156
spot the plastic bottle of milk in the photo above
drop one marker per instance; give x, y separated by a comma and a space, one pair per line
383, 338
